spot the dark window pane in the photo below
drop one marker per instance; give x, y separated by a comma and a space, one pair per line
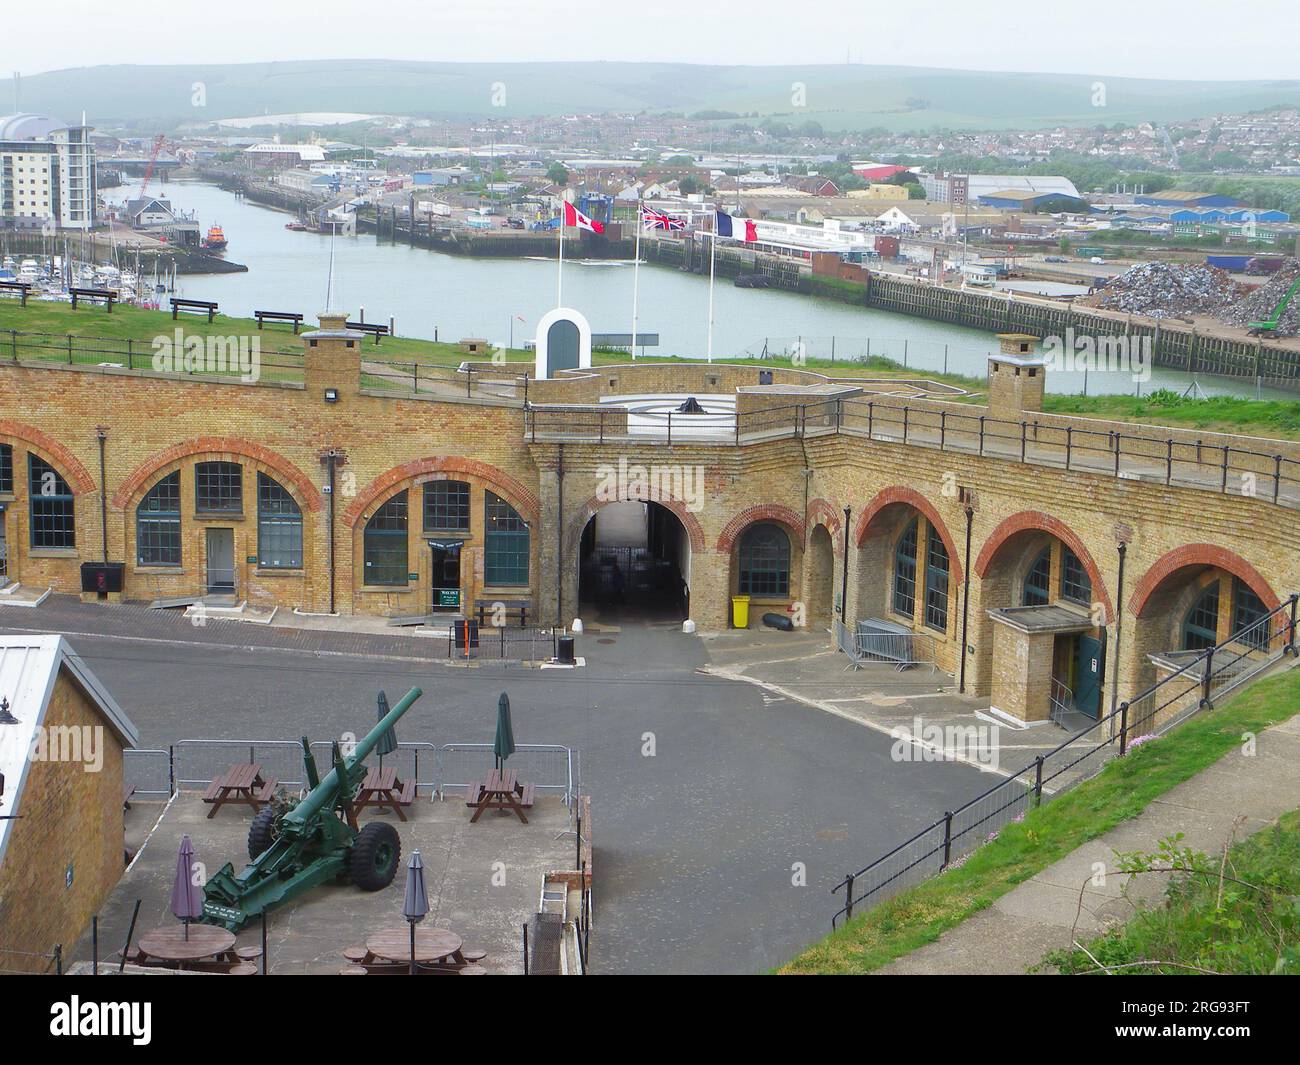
1038, 581
446, 506
936, 583
1075, 584
1201, 628
506, 544
1248, 614
764, 561
6, 468
218, 487
53, 512
158, 524
384, 546
905, 572
279, 526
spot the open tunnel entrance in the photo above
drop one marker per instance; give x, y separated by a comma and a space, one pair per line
635, 562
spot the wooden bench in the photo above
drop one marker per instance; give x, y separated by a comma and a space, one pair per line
208, 307
19, 288
365, 327
355, 955
93, 295
353, 970
278, 316
243, 785
244, 968
528, 797
512, 609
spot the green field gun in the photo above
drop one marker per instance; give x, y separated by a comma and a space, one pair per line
312, 840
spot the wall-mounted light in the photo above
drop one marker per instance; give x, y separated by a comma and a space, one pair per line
331, 395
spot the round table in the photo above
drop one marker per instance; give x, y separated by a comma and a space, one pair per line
431, 944
170, 944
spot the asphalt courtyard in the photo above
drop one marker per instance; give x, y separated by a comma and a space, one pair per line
723, 813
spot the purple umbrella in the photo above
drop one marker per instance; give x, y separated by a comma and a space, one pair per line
187, 899
416, 903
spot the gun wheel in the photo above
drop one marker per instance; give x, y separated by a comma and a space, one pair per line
375, 856
261, 833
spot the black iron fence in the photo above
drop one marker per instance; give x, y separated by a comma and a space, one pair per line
1190, 686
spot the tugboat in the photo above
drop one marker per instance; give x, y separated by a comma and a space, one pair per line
215, 241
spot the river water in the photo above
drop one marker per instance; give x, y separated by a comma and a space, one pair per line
430, 294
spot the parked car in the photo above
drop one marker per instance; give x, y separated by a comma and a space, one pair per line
1097, 260
1055, 259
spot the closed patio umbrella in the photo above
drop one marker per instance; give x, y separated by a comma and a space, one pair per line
415, 904
504, 744
187, 899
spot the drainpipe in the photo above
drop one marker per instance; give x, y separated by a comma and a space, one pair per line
1113, 653
844, 579
965, 601
101, 434
331, 458
559, 551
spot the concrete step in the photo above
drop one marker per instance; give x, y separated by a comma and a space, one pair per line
19, 595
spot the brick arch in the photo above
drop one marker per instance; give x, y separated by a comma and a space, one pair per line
1037, 521
689, 521
1200, 555
887, 497
763, 512
60, 457
386, 483
822, 512
289, 474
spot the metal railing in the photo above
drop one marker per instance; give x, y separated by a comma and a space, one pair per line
902, 650
1061, 699
194, 763
1191, 688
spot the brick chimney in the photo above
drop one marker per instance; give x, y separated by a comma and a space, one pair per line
332, 359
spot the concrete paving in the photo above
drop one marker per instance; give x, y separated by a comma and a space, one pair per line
722, 813
1227, 802
483, 881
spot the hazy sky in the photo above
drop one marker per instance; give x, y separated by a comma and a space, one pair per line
1139, 38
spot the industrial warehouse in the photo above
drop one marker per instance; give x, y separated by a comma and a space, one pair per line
1048, 563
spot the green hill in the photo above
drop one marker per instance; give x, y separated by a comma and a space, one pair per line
838, 96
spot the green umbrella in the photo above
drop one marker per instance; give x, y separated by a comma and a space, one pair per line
504, 745
388, 741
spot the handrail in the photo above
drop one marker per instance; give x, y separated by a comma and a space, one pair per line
1257, 639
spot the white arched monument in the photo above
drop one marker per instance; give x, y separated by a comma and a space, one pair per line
563, 342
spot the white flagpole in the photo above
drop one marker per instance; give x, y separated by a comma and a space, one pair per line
713, 247
636, 274
559, 276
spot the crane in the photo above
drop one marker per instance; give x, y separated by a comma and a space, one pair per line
153, 159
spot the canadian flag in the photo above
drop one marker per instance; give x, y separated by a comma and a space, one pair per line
574, 217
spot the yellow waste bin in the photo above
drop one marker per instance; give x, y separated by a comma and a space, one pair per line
740, 611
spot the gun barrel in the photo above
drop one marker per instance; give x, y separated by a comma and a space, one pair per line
325, 791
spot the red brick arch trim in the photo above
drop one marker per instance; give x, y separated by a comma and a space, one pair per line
385, 484
1036, 520
689, 521
1200, 555
822, 512
763, 512
287, 473
898, 494
79, 480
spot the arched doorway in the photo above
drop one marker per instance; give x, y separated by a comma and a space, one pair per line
819, 595
634, 561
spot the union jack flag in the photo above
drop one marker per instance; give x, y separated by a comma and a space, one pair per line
652, 219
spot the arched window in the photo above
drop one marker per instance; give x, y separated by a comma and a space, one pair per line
905, 572
1075, 583
53, 510
218, 488
446, 506
1201, 627
158, 524
6, 469
384, 544
279, 526
936, 582
764, 561
505, 544
1248, 614
1038, 581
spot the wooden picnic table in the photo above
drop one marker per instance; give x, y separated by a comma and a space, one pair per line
437, 952
500, 791
240, 785
383, 790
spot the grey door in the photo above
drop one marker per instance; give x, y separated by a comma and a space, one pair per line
221, 561
562, 342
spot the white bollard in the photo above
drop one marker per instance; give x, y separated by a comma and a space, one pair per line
688, 626
577, 626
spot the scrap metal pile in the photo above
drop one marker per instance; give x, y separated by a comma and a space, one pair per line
1170, 290
1259, 305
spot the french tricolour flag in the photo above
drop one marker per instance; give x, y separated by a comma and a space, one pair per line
574, 217
736, 228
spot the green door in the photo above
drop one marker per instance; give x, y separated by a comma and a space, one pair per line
1089, 670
